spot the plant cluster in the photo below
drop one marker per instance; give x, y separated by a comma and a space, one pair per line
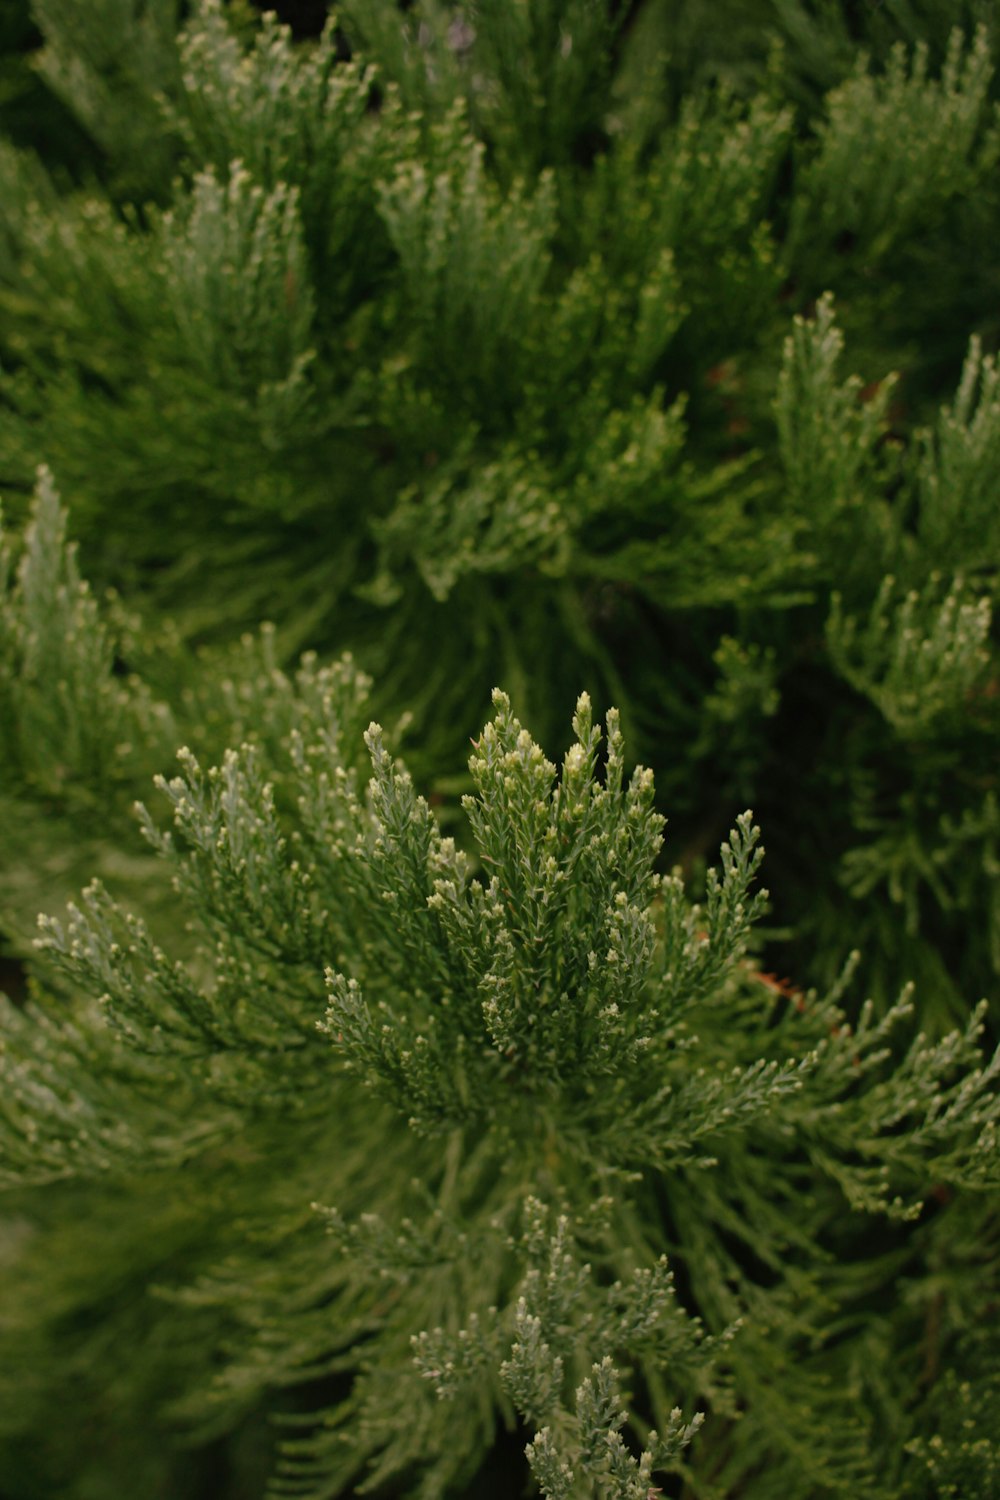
641, 349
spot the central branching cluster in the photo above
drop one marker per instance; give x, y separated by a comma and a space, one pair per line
591, 1070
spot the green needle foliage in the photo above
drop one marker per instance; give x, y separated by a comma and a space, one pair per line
67, 720
494, 343
411, 1142
642, 348
78, 738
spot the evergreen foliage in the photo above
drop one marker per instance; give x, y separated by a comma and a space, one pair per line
645, 348
77, 740
592, 1072
469, 342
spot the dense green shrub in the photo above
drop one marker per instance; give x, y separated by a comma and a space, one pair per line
470, 352
640, 348
390, 1117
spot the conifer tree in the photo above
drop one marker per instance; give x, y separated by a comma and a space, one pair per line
441, 1126
349, 328
648, 349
